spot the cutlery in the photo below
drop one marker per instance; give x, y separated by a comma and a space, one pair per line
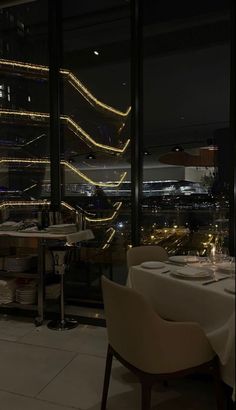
215, 280
175, 263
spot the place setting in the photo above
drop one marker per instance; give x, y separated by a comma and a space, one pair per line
155, 265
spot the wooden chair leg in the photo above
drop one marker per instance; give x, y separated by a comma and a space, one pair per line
107, 378
146, 395
219, 393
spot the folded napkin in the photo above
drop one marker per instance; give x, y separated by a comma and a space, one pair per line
79, 236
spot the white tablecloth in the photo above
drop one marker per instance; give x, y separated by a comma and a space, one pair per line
188, 300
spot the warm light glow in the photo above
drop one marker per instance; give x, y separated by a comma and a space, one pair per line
73, 126
30, 187
24, 203
116, 205
108, 242
73, 80
43, 202
67, 165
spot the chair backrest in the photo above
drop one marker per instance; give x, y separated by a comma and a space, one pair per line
141, 337
140, 254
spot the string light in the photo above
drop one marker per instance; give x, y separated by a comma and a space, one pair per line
67, 165
30, 187
117, 206
108, 242
73, 126
4, 204
73, 80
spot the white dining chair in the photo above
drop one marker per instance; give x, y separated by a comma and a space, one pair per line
139, 254
152, 348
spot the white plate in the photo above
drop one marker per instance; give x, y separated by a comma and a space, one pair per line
184, 259
188, 272
152, 265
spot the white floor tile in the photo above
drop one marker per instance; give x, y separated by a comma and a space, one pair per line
10, 401
83, 339
14, 329
80, 383
27, 369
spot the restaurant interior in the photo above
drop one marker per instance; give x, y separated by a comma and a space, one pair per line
117, 204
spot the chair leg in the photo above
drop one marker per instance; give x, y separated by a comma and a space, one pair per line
107, 377
146, 395
220, 399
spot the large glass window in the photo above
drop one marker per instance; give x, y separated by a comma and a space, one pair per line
24, 109
96, 136
186, 126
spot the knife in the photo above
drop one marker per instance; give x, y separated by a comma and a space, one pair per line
215, 280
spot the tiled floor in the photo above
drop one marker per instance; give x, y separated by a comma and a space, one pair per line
43, 369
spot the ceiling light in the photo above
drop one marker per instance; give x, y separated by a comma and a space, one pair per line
177, 148
146, 152
96, 53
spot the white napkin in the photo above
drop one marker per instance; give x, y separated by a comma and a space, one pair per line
79, 236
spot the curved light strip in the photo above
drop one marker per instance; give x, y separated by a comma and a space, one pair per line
65, 204
23, 203
72, 79
101, 184
77, 129
108, 242
117, 206
71, 123
67, 165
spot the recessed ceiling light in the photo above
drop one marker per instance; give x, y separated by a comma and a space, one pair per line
96, 53
124, 83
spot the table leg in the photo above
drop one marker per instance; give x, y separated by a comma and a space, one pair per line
41, 268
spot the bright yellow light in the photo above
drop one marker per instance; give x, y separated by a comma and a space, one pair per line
72, 79
117, 206
107, 244
30, 187
73, 126
24, 203
43, 202
67, 165
152, 237
175, 226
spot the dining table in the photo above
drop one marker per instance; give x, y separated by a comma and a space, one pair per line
206, 297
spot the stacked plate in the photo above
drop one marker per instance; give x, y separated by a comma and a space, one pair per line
17, 264
7, 290
185, 259
10, 226
26, 295
62, 228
